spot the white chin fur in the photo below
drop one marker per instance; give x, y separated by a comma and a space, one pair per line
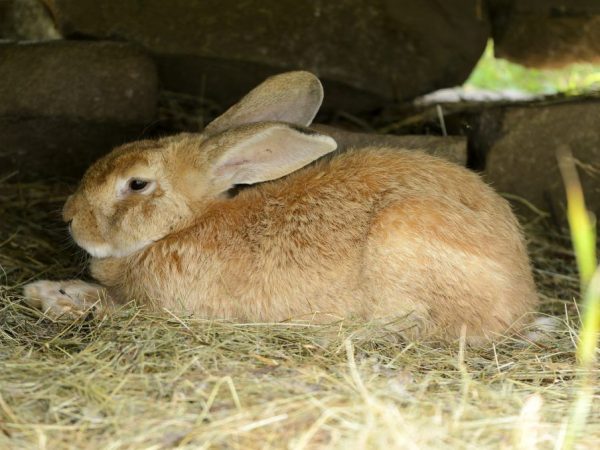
107, 251
98, 251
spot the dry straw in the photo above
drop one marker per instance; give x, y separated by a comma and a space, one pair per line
154, 381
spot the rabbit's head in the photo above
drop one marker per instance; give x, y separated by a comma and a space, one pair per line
146, 190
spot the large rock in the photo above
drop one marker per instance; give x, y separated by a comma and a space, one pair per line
546, 33
62, 104
452, 148
26, 20
43, 147
520, 145
87, 80
367, 51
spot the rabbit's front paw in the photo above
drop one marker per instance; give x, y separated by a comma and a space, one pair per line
70, 298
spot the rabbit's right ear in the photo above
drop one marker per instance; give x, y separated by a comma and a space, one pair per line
263, 152
292, 97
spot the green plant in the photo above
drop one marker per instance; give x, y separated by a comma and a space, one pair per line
583, 235
498, 74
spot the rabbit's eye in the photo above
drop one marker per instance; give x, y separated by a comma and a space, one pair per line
137, 185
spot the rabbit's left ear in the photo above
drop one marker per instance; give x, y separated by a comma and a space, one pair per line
292, 97
266, 152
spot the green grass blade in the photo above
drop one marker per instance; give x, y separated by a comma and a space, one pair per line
583, 235
581, 221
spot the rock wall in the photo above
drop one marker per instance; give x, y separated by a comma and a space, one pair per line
97, 73
367, 51
520, 145
63, 103
26, 20
546, 33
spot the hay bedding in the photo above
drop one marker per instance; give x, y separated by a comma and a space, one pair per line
142, 380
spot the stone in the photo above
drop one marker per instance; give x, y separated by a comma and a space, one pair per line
58, 148
520, 145
63, 104
87, 80
452, 148
367, 52
546, 33
26, 20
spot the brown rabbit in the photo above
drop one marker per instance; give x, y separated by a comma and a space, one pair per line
373, 233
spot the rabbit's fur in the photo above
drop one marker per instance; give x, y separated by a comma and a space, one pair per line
375, 233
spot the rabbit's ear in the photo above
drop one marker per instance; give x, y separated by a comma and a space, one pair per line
293, 97
266, 152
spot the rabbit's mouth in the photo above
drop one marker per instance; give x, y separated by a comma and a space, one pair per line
105, 248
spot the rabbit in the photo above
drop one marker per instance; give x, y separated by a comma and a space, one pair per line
259, 219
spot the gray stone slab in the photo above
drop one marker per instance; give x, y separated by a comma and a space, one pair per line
366, 51
452, 148
97, 81
546, 33
521, 144
42, 147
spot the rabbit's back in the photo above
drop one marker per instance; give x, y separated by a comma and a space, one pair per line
444, 248
441, 245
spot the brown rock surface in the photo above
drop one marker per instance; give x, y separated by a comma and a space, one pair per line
62, 104
43, 147
26, 20
521, 143
547, 33
452, 148
87, 80
366, 51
